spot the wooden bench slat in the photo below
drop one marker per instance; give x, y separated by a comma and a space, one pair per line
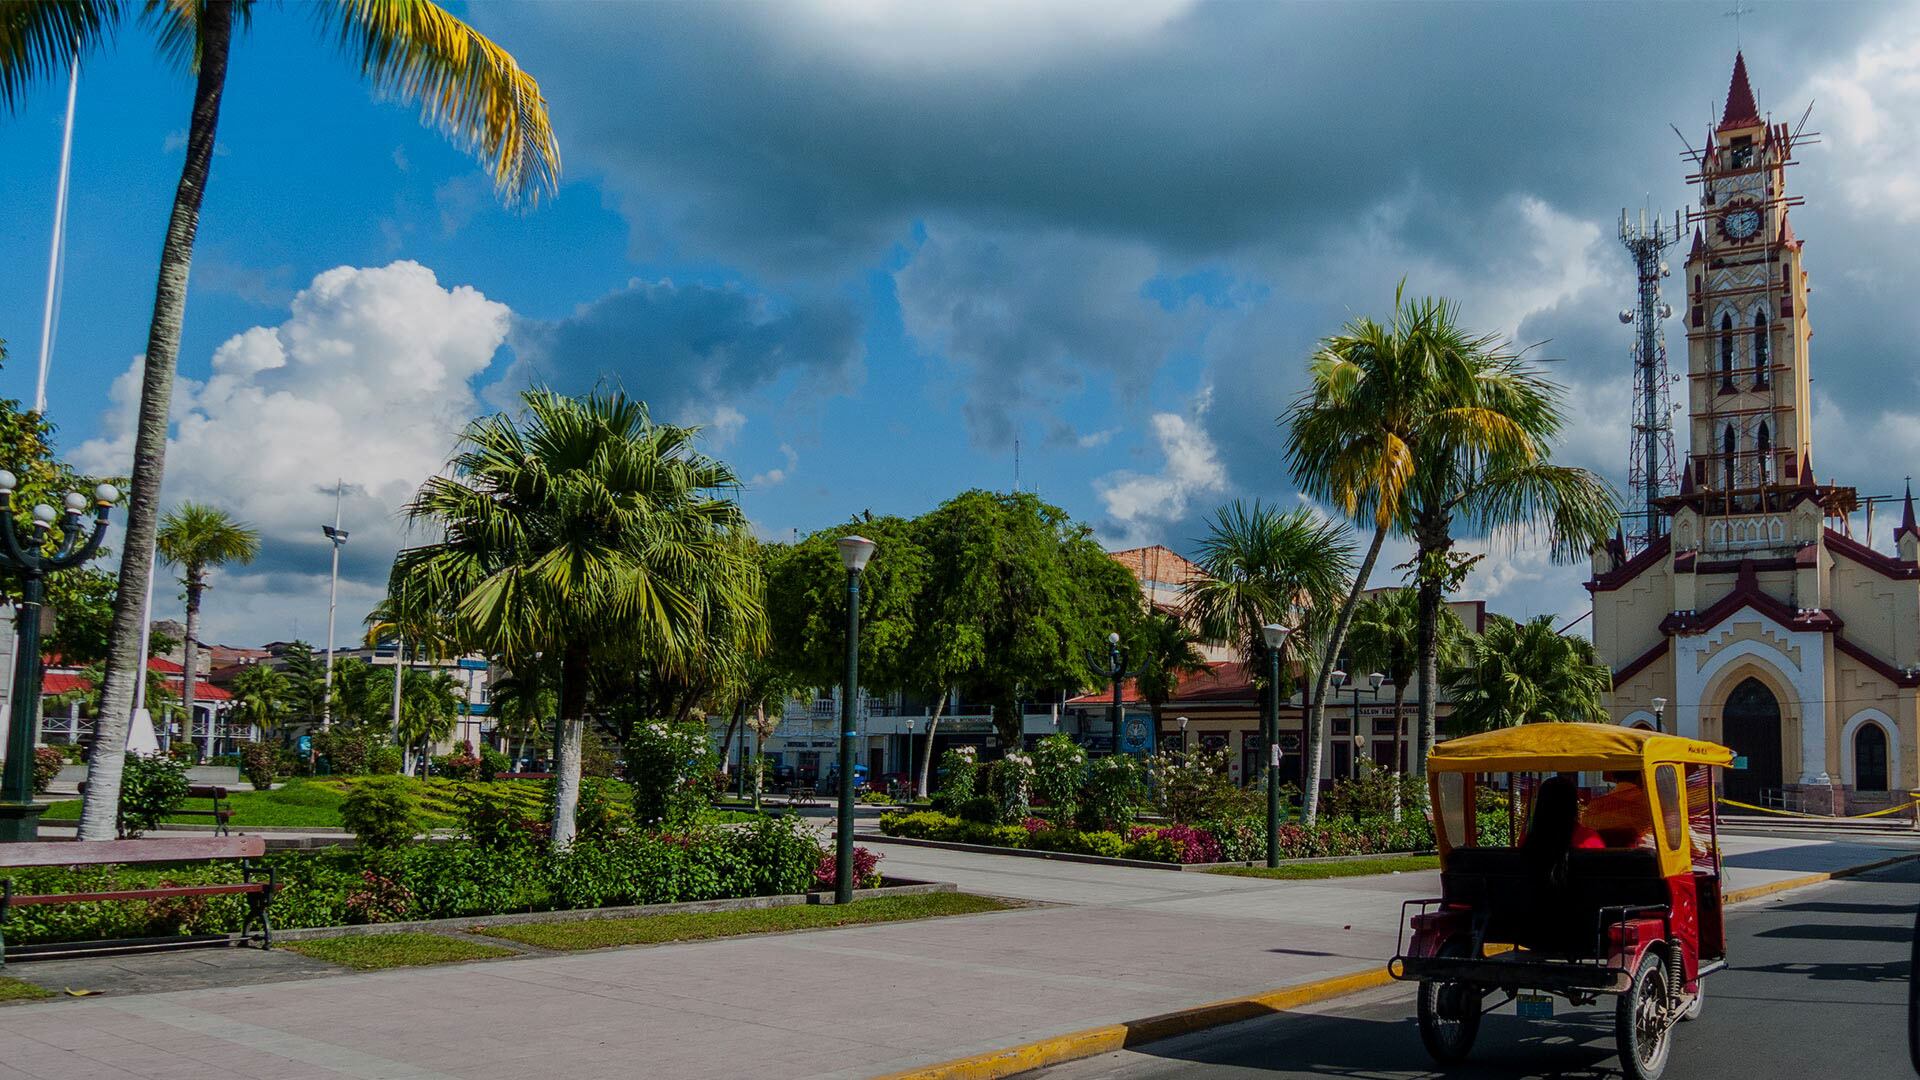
144, 850
139, 894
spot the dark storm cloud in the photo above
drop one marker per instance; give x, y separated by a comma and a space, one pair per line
685, 348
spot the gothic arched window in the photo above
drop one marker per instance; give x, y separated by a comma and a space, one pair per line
1726, 352
1729, 444
1870, 758
1763, 449
1760, 372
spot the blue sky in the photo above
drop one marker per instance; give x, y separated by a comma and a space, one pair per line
870, 244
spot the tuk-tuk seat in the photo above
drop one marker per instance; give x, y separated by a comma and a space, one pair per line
1519, 904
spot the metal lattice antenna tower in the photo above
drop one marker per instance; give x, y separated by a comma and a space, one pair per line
1650, 473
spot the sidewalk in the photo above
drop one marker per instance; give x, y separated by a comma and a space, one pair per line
1115, 944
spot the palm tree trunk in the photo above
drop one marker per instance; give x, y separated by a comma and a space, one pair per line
1317, 718
399, 672
726, 740
102, 804
1425, 725
926, 752
567, 738
1399, 725
196, 583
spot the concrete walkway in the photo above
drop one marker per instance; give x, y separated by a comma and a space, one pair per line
1113, 944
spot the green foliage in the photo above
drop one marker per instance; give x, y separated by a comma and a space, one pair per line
595, 759
1196, 787
151, 787
384, 759
381, 812
1163, 649
81, 600
1152, 847
344, 751
701, 926
670, 766
374, 952
807, 604
490, 818
1524, 673
1375, 793
595, 817
770, 856
47, 763
263, 695
261, 763
1116, 788
1059, 770
1110, 844
959, 774
306, 681
493, 763
1264, 566
1010, 785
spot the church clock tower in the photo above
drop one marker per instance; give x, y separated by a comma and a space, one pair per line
1747, 329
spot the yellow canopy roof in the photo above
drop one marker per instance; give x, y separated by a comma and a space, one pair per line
1570, 748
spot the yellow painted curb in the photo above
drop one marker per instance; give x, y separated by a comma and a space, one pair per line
1094, 1041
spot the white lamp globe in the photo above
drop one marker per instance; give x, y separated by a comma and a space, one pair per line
45, 514
106, 494
76, 502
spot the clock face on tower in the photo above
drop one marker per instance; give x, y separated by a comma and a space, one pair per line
1740, 223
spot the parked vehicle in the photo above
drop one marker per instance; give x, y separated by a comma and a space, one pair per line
1620, 895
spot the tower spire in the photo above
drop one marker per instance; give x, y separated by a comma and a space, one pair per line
1741, 109
1907, 523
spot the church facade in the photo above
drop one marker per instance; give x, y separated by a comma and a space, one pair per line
1759, 619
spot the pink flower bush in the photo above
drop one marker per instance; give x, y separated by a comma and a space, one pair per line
1194, 845
866, 869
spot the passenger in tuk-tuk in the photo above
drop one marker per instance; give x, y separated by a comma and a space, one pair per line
1622, 817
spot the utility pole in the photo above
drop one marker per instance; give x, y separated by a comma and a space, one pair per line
338, 537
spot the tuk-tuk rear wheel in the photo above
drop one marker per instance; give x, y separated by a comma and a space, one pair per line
1643, 1027
1449, 1014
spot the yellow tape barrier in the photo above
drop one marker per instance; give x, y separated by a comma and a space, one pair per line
1902, 808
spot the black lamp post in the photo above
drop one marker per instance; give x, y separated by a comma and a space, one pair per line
1276, 637
1659, 714
1374, 682
19, 814
854, 552
1114, 670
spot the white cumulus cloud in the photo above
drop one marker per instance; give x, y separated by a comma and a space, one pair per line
1140, 505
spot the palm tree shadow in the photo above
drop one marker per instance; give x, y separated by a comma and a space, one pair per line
1575, 1047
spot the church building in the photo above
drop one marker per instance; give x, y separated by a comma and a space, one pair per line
1758, 619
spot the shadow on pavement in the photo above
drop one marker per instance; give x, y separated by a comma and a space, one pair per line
1832, 932
1829, 908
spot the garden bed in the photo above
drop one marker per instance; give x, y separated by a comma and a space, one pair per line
1227, 867
314, 802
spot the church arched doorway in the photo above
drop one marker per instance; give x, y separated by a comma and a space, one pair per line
1750, 724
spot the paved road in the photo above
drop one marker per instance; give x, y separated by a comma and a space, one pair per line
1817, 987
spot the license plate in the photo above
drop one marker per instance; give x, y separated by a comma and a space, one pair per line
1534, 1006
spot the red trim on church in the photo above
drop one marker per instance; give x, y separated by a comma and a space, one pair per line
1632, 568
1884, 565
1640, 662
1879, 667
1747, 593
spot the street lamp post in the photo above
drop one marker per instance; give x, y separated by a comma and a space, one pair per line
1276, 637
1374, 679
19, 814
1114, 672
854, 552
1183, 738
336, 536
912, 784
1659, 714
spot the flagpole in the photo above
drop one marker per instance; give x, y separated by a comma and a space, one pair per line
55, 255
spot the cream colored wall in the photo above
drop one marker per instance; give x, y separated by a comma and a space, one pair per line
1856, 687
1626, 621
1637, 693
1882, 615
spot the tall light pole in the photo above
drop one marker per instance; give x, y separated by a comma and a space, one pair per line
1114, 670
854, 552
338, 537
1276, 636
19, 814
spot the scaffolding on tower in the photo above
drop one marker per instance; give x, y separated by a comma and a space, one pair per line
1650, 472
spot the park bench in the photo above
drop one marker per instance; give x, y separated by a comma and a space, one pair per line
222, 812
69, 853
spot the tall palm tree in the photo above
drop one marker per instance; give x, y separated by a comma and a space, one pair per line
523, 702
411, 50
1526, 673
1378, 397
1164, 649
1263, 566
406, 617
584, 530
1385, 637
196, 538
1512, 490
261, 696
429, 709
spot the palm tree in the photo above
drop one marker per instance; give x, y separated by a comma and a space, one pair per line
523, 703
1378, 397
1526, 673
466, 85
1512, 490
1263, 566
261, 696
1385, 637
429, 709
196, 538
584, 529
1164, 649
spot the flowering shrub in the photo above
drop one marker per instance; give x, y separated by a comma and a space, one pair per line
46, 765
866, 870
959, 773
1198, 786
1059, 769
462, 764
1189, 845
380, 898
1114, 791
669, 766
1010, 783
262, 765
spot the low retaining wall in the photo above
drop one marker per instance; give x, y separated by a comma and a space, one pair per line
1104, 860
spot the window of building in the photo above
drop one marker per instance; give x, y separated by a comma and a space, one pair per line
1726, 353
1763, 449
1729, 444
1760, 353
1870, 758
1743, 151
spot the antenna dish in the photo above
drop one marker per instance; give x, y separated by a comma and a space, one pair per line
1666, 311
1665, 270
1626, 314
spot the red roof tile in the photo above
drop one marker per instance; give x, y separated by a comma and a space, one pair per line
1741, 108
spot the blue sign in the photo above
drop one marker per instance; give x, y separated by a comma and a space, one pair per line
305, 743
1136, 734
1740, 761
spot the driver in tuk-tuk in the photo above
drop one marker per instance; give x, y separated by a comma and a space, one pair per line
1622, 817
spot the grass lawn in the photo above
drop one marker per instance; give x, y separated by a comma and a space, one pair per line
370, 952
314, 802
653, 929
1308, 871
15, 990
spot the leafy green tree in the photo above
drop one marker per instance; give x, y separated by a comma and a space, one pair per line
261, 696
1381, 400
1526, 673
524, 701
467, 86
429, 708
1164, 649
306, 681
578, 530
197, 538
1034, 586
82, 603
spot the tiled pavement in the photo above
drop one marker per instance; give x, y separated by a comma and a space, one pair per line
1111, 944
